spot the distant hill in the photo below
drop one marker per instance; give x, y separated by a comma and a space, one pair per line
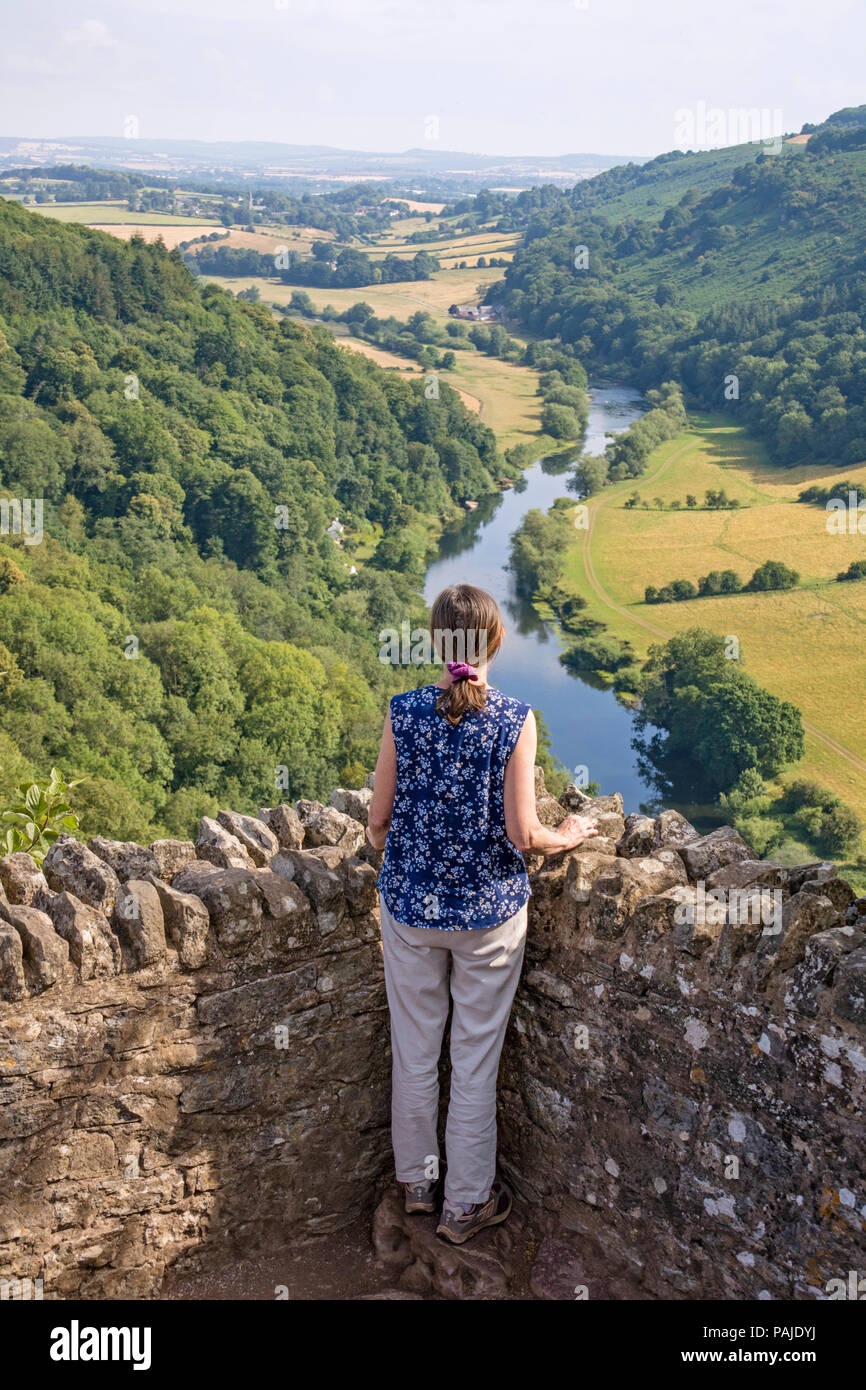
312, 165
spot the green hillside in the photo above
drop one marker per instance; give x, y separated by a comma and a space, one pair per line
187, 633
707, 267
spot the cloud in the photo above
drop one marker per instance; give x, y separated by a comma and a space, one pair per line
90, 33
27, 64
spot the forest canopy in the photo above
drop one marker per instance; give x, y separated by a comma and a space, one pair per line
188, 632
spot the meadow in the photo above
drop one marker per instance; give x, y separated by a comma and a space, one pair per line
112, 214
805, 645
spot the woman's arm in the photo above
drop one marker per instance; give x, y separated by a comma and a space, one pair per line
384, 788
523, 827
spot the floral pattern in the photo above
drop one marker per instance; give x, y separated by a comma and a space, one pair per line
448, 860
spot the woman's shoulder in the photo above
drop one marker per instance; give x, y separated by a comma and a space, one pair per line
420, 696
508, 705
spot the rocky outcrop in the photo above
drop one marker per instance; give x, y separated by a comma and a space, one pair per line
194, 1041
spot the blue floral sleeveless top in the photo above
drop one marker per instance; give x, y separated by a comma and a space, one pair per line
448, 860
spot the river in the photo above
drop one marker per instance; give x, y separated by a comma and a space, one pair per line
587, 725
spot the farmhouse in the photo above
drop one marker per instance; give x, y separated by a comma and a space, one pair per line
479, 313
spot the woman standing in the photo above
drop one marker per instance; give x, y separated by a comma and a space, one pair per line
453, 806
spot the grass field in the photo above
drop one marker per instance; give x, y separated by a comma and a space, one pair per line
806, 645
399, 300
111, 214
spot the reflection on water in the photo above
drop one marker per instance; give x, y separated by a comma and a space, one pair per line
586, 724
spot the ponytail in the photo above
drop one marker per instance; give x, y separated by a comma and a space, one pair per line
462, 696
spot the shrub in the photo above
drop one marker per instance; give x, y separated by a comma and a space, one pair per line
39, 818
762, 833
840, 831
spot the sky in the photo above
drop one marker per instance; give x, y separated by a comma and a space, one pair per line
510, 77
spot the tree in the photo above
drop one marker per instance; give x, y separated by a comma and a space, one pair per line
773, 574
560, 422
718, 722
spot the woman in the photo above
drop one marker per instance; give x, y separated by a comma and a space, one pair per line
454, 806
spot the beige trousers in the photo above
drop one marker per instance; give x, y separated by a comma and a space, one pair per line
484, 968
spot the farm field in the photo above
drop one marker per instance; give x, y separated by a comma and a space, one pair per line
392, 361
398, 300
109, 215
417, 206
805, 645
267, 239
458, 248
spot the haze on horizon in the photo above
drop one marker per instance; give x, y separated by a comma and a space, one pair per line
509, 77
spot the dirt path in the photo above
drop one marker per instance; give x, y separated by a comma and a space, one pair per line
598, 589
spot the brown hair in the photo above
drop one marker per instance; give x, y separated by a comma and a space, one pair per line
469, 620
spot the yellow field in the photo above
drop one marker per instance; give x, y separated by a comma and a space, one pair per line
416, 206
457, 249
399, 300
511, 406
804, 645
267, 239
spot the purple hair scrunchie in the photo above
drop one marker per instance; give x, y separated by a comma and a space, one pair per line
461, 671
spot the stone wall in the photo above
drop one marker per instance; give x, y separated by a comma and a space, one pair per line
683, 1097
194, 1054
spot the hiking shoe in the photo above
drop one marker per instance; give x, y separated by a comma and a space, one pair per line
421, 1196
460, 1225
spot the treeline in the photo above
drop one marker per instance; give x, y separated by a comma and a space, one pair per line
802, 811
77, 182
773, 574
715, 500
349, 211
562, 379
187, 634
329, 268
835, 492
